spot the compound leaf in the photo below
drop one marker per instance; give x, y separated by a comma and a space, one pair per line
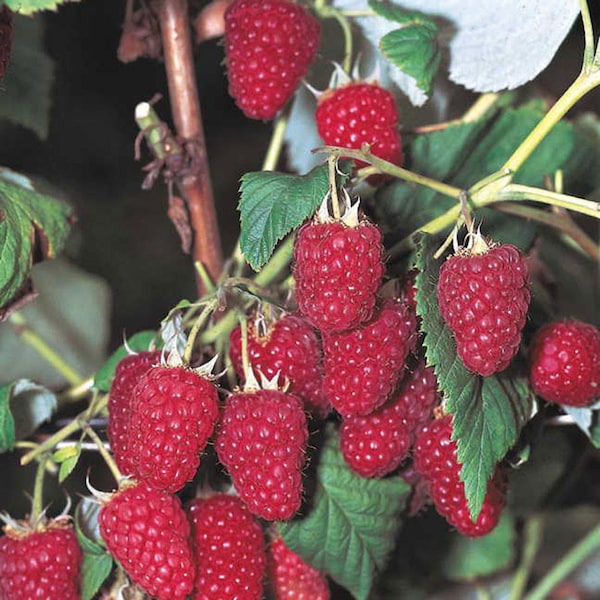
488, 412
350, 529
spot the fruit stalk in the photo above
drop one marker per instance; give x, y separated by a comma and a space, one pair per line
38, 487
34, 340
196, 187
568, 563
534, 529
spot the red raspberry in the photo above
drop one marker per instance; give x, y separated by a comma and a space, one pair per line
361, 113
436, 459
174, 413
338, 270
363, 366
484, 297
6, 37
262, 443
292, 578
42, 563
147, 531
290, 347
565, 362
127, 374
229, 549
376, 444
269, 47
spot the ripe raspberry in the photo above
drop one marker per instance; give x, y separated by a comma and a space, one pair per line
290, 347
6, 37
376, 444
436, 459
174, 413
128, 372
338, 270
262, 443
40, 563
565, 362
229, 549
147, 531
361, 113
483, 296
269, 47
292, 578
363, 366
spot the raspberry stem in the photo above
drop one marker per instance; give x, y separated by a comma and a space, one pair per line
195, 186
33, 339
533, 537
70, 428
38, 489
108, 459
589, 544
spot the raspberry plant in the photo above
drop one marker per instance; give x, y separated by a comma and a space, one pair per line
349, 407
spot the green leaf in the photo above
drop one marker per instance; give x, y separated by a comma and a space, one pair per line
27, 7
413, 49
470, 558
273, 204
24, 406
350, 529
595, 429
139, 342
94, 571
86, 526
67, 457
464, 153
25, 95
489, 412
32, 227
7, 423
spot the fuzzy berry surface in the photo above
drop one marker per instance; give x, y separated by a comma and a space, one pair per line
376, 444
363, 366
436, 459
361, 113
292, 578
6, 37
269, 47
262, 442
565, 362
288, 346
147, 531
338, 270
128, 372
40, 564
484, 299
175, 411
229, 549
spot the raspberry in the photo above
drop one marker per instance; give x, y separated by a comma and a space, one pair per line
269, 47
147, 531
483, 296
128, 372
361, 113
363, 366
174, 413
338, 270
376, 444
292, 578
6, 38
565, 362
290, 347
436, 460
40, 563
229, 549
262, 443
